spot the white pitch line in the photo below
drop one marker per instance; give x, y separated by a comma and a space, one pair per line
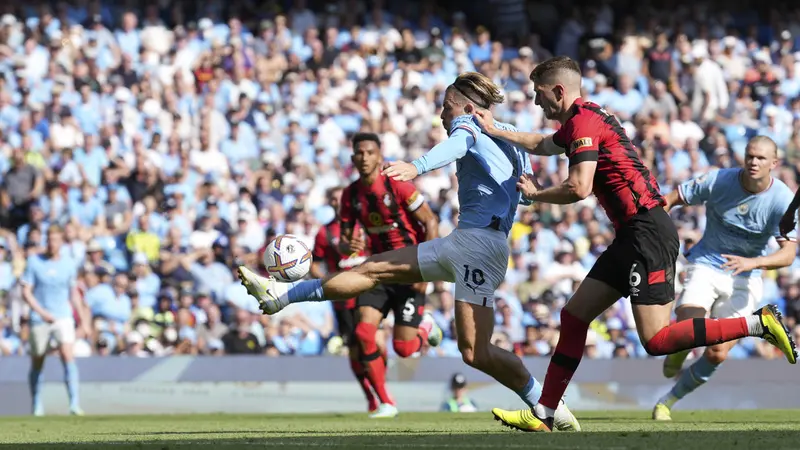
273, 443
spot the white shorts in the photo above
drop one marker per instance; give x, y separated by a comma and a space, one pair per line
720, 293
62, 331
475, 259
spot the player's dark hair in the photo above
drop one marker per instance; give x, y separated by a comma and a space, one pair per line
478, 89
548, 70
362, 137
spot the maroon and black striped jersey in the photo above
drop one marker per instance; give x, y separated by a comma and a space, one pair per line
385, 210
622, 184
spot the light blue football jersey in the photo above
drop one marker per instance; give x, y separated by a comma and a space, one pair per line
487, 170
738, 222
52, 281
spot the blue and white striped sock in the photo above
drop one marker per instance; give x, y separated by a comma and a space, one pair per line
690, 379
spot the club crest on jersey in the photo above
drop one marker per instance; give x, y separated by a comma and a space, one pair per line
581, 143
387, 200
743, 208
375, 219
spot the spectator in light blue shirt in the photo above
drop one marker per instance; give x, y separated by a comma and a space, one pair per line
128, 37
627, 101
88, 211
601, 93
208, 274
112, 303
481, 50
148, 284
296, 336
92, 159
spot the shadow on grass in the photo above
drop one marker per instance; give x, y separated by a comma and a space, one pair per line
631, 440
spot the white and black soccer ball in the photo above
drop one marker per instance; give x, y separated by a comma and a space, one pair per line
287, 258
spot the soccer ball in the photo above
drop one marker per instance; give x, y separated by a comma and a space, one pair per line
287, 258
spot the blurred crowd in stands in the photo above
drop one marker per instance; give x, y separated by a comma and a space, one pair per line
174, 139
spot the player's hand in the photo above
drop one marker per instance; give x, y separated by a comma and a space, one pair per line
357, 245
739, 264
485, 120
528, 185
47, 317
788, 223
421, 287
400, 171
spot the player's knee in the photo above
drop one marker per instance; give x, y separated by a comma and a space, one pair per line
404, 349
468, 356
473, 357
655, 346
716, 355
365, 334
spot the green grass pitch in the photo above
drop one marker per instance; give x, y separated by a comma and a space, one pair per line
773, 430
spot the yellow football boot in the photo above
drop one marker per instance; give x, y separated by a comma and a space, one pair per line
776, 333
661, 412
523, 419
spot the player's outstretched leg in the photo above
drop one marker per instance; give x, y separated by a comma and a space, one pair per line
661, 339
692, 378
396, 266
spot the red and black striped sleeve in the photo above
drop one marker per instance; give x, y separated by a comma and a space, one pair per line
408, 195
580, 136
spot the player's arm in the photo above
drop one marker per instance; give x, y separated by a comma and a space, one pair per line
30, 299
415, 204
784, 257
672, 200
534, 143
575, 188
527, 171
579, 135
693, 192
347, 224
28, 278
789, 220
443, 153
424, 215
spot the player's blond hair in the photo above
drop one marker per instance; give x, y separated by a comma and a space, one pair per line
766, 140
478, 89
